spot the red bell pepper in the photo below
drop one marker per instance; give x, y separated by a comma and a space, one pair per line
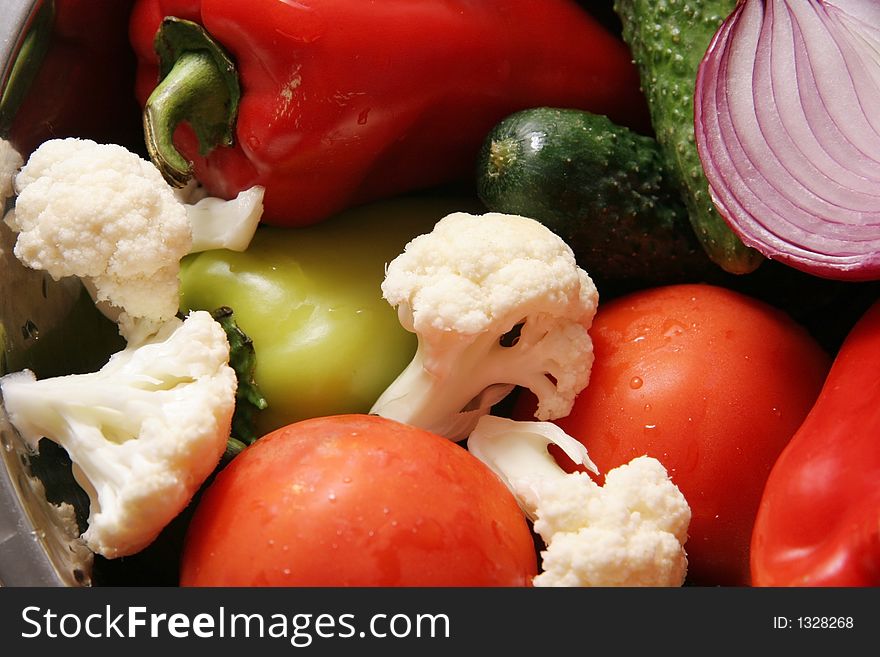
344, 101
818, 522
75, 77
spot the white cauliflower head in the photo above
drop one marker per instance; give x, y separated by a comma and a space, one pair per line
496, 301
629, 532
106, 216
143, 432
102, 213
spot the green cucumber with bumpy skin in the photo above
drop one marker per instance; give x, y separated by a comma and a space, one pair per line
668, 39
601, 187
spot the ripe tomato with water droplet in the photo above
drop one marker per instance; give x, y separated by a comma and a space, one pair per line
357, 500
723, 382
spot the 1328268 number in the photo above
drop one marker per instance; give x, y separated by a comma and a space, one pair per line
825, 622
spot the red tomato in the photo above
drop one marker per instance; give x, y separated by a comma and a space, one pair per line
711, 383
357, 500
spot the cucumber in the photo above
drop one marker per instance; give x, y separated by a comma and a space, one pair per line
601, 187
668, 39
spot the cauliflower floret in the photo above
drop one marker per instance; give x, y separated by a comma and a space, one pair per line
101, 212
629, 532
105, 215
496, 301
634, 528
143, 432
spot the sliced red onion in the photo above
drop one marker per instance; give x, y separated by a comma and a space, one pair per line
787, 119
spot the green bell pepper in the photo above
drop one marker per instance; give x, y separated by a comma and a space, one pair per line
309, 298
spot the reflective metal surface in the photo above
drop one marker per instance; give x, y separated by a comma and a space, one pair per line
38, 544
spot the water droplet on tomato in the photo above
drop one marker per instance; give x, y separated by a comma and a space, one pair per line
636, 382
673, 328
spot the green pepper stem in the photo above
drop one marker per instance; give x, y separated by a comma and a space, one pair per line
199, 87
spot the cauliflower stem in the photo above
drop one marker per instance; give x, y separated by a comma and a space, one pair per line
496, 301
629, 532
143, 432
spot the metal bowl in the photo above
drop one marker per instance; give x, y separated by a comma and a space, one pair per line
45, 325
54, 328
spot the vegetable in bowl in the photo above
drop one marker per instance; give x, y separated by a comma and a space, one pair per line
787, 131
629, 532
102, 214
668, 41
310, 299
147, 429
496, 301
143, 433
332, 292
357, 500
336, 103
713, 384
